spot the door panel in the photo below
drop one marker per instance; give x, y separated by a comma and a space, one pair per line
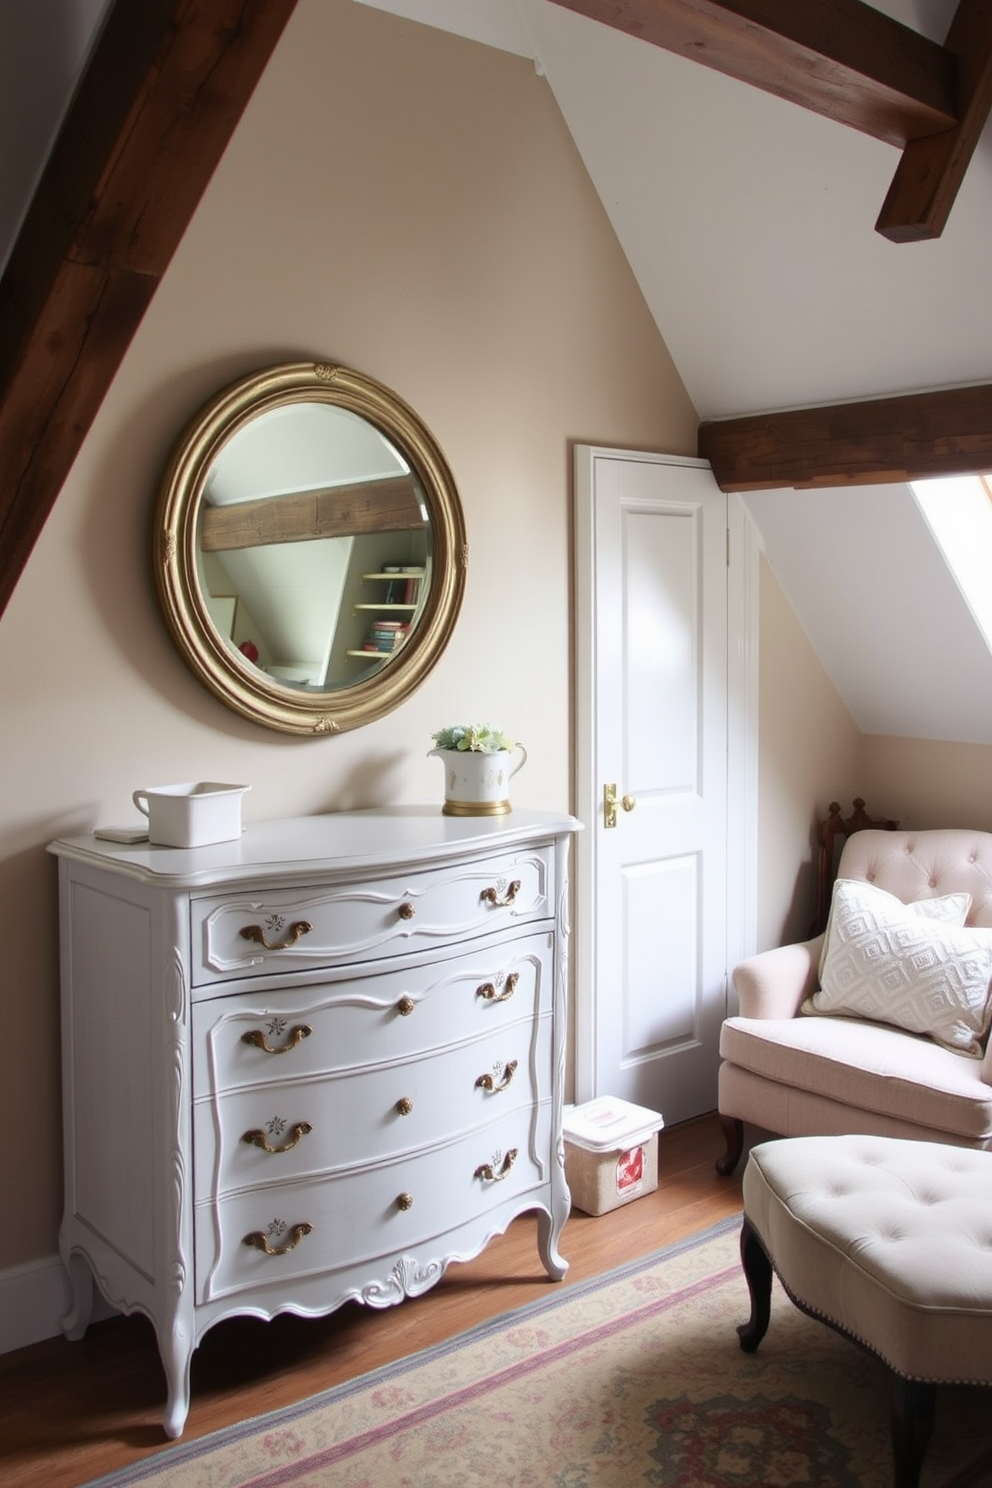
652, 695
657, 559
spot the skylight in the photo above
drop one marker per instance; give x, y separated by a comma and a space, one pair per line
958, 511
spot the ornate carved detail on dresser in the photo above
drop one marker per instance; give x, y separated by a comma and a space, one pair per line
313, 1065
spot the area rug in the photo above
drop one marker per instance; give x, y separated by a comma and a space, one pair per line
634, 1378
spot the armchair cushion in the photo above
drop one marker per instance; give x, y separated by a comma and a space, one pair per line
911, 965
865, 1067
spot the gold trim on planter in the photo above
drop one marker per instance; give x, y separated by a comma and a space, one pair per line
475, 808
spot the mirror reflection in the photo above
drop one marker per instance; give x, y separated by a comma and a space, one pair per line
314, 546
310, 549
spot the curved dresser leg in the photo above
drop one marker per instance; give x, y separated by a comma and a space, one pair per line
733, 1135
758, 1271
176, 1357
548, 1235
77, 1319
911, 1415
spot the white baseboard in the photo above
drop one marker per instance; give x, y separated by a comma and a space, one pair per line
33, 1300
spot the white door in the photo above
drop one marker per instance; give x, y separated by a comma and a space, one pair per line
655, 928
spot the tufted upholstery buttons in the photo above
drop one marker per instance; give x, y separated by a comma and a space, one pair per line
888, 1240
915, 865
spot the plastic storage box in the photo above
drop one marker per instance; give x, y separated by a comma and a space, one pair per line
611, 1153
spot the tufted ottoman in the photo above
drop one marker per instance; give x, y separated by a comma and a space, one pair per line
888, 1241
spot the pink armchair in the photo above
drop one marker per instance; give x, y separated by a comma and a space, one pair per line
798, 1075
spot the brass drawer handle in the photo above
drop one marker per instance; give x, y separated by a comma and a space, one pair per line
404, 1106
489, 992
258, 1240
486, 1082
405, 1006
486, 1171
258, 1138
492, 896
407, 910
404, 1201
296, 930
256, 1037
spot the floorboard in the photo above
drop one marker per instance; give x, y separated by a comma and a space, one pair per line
74, 1411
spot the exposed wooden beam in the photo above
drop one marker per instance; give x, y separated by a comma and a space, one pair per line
883, 439
389, 505
839, 58
932, 168
851, 63
164, 89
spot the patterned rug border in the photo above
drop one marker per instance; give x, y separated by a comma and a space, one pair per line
176, 1455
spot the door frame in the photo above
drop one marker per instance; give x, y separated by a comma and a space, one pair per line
743, 550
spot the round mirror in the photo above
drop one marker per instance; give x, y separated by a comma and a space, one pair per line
310, 550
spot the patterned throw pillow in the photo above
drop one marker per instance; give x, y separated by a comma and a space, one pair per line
905, 964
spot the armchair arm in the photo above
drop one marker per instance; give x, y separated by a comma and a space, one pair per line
774, 983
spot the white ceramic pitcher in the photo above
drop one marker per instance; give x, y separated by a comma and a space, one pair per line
193, 814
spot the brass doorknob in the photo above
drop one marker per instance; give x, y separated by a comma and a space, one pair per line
610, 804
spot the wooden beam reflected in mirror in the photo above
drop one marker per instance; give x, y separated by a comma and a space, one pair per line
392, 505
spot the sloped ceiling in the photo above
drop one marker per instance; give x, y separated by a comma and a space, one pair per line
43, 47
749, 224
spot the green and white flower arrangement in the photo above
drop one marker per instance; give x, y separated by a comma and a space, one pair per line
478, 738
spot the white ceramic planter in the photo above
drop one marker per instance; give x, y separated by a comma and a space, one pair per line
477, 784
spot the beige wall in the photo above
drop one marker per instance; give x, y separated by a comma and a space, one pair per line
809, 755
409, 204
925, 783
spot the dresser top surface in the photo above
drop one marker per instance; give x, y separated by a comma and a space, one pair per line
375, 839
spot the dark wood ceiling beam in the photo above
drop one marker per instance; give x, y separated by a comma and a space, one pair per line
883, 439
839, 58
165, 87
851, 63
932, 168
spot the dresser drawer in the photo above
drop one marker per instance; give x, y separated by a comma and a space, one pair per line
281, 1034
374, 1214
306, 1127
267, 932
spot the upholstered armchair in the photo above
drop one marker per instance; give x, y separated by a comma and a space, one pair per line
880, 1024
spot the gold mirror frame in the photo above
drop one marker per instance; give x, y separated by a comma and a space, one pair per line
225, 672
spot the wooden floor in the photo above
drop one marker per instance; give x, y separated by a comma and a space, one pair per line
70, 1412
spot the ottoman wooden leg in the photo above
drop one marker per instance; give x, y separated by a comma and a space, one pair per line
911, 1412
758, 1270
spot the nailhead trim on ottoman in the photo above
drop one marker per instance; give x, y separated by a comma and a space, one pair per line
890, 1242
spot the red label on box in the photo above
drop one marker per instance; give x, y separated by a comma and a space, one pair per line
630, 1170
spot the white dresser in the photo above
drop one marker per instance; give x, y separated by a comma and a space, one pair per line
314, 1064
